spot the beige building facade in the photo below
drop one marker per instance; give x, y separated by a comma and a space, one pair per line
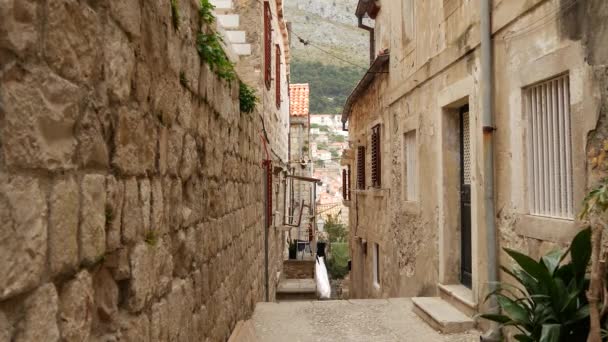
418, 195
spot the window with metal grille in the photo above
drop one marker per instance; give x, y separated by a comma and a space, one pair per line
344, 189
376, 157
361, 167
267, 44
277, 82
410, 166
549, 148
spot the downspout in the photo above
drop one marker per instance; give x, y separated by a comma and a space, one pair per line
487, 97
266, 165
372, 39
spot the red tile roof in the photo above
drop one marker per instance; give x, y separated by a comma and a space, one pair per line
299, 99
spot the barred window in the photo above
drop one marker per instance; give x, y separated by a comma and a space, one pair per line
361, 167
549, 148
267, 44
278, 76
376, 157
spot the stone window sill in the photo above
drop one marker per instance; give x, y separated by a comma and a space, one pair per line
547, 228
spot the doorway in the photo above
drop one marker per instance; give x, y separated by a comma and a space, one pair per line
466, 264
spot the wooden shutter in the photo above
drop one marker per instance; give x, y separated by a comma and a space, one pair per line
361, 167
348, 182
376, 158
267, 44
278, 76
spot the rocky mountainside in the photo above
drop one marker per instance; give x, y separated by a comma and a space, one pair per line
329, 24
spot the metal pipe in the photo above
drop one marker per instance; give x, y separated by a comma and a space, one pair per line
372, 40
487, 97
266, 225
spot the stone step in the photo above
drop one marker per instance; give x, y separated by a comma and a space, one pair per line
296, 289
244, 331
459, 296
442, 316
228, 21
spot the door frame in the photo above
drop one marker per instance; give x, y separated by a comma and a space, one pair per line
466, 239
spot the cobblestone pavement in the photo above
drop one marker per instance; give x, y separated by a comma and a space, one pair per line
348, 320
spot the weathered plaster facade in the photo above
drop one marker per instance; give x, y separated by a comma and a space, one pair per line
131, 202
435, 70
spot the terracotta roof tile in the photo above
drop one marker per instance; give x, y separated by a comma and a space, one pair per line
299, 99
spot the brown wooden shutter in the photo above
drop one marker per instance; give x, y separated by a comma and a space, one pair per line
376, 157
278, 76
267, 44
361, 167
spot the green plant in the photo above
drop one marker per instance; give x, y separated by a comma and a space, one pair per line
337, 265
151, 238
175, 13
209, 47
109, 214
247, 98
549, 305
337, 231
205, 12
182, 79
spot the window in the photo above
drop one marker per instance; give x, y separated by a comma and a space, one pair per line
549, 148
376, 158
410, 166
267, 44
344, 188
376, 266
361, 167
348, 182
277, 81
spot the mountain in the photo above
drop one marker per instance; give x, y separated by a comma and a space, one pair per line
337, 54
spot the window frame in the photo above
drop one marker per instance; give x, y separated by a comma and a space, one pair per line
278, 75
361, 167
407, 149
267, 44
376, 265
376, 150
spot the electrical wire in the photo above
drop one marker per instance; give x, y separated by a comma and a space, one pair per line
541, 21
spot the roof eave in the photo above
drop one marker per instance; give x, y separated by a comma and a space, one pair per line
378, 66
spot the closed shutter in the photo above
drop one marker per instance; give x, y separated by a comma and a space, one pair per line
376, 157
549, 148
361, 167
267, 44
278, 76
344, 189
348, 181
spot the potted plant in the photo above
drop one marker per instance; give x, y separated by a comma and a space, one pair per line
293, 249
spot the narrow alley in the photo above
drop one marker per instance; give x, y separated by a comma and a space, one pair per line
314, 171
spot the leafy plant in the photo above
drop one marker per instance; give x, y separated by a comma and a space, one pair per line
151, 238
337, 231
205, 12
175, 13
550, 304
337, 265
247, 98
209, 47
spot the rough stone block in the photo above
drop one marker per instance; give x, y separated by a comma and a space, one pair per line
158, 224
23, 237
40, 110
145, 198
163, 146
63, 226
92, 147
135, 141
151, 271
106, 295
132, 219
18, 27
128, 15
92, 237
73, 40
119, 62
190, 161
118, 263
40, 319
76, 308
174, 153
6, 329
115, 194
134, 328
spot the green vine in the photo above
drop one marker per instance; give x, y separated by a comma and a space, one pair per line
209, 47
247, 98
175, 13
206, 12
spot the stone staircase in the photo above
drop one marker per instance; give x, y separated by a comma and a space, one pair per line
296, 290
451, 312
228, 24
244, 331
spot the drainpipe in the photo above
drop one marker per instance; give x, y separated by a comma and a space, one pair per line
372, 40
487, 97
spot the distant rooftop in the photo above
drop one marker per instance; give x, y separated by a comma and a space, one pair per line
299, 99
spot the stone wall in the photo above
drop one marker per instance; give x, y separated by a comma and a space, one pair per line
131, 199
299, 269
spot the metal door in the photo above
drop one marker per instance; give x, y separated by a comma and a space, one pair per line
466, 269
